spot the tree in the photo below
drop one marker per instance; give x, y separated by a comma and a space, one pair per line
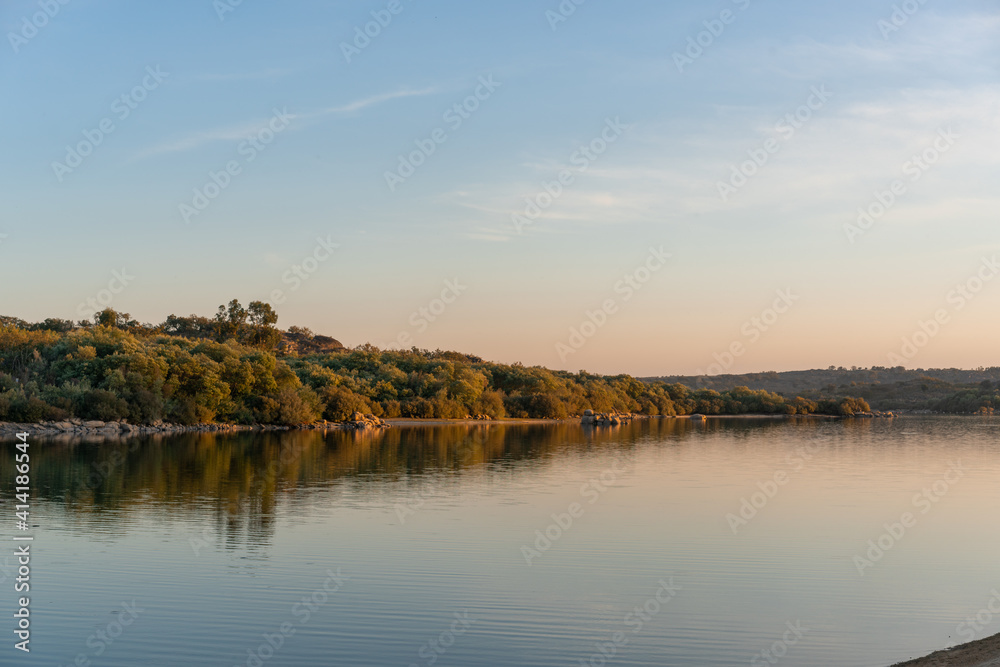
301, 331
261, 331
229, 322
112, 319
193, 325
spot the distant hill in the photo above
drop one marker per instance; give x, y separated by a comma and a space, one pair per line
938, 389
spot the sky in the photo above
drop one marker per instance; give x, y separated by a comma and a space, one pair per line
631, 187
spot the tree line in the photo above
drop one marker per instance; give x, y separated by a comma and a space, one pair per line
232, 368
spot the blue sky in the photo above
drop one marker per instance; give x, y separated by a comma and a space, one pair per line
889, 92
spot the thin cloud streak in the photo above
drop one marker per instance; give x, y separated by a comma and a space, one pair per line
236, 132
268, 73
198, 139
369, 101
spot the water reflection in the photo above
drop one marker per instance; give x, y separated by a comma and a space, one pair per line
240, 526
240, 478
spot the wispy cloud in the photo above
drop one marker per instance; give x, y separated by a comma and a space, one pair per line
357, 105
268, 73
243, 130
198, 139
489, 235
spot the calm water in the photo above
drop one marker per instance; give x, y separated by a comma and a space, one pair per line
429, 532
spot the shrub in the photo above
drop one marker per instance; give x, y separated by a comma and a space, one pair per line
339, 404
103, 405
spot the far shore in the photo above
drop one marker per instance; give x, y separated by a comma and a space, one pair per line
981, 653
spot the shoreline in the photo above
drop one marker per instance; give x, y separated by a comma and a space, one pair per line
978, 653
82, 427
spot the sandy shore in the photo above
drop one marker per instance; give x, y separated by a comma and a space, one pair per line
982, 653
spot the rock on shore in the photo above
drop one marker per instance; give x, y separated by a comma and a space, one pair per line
121, 428
360, 422
612, 418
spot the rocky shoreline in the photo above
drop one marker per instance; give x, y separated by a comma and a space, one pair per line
81, 427
358, 422
981, 653
615, 418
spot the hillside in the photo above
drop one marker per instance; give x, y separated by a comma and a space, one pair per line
238, 368
935, 389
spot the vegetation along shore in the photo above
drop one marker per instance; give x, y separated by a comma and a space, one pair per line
237, 369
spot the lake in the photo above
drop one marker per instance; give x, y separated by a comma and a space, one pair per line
800, 542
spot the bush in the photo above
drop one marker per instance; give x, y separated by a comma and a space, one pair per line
146, 407
546, 406
391, 409
102, 405
297, 406
490, 403
339, 404
417, 408
29, 409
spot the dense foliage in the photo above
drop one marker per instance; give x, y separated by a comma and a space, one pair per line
197, 370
